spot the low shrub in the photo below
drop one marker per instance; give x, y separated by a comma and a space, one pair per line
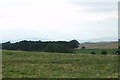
83, 47
103, 52
117, 52
93, 53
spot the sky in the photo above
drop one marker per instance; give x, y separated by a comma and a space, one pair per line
58, 19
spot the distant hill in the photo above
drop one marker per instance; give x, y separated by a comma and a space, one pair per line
102, 39
100, 45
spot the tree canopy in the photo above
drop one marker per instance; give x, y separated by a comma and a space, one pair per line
48, 46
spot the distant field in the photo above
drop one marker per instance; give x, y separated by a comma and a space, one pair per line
97, 51
23, 64
101, 45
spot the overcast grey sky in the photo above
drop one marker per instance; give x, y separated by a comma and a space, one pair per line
58, 19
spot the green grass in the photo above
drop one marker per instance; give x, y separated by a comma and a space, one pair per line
97, 51
82, 64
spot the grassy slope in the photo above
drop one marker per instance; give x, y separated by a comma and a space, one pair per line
104, 45
21, 64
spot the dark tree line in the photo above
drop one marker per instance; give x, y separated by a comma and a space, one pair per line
48, 46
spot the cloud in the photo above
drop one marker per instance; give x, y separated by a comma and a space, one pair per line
40, 12
49, 18
98, 6
72, 1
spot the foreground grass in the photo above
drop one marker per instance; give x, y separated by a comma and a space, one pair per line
22, 64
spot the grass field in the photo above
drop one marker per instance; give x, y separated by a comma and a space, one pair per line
101, 45
81, 64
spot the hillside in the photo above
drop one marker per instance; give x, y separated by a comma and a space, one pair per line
100, 45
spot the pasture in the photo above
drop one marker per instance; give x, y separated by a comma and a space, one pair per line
101, 45
80, 64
